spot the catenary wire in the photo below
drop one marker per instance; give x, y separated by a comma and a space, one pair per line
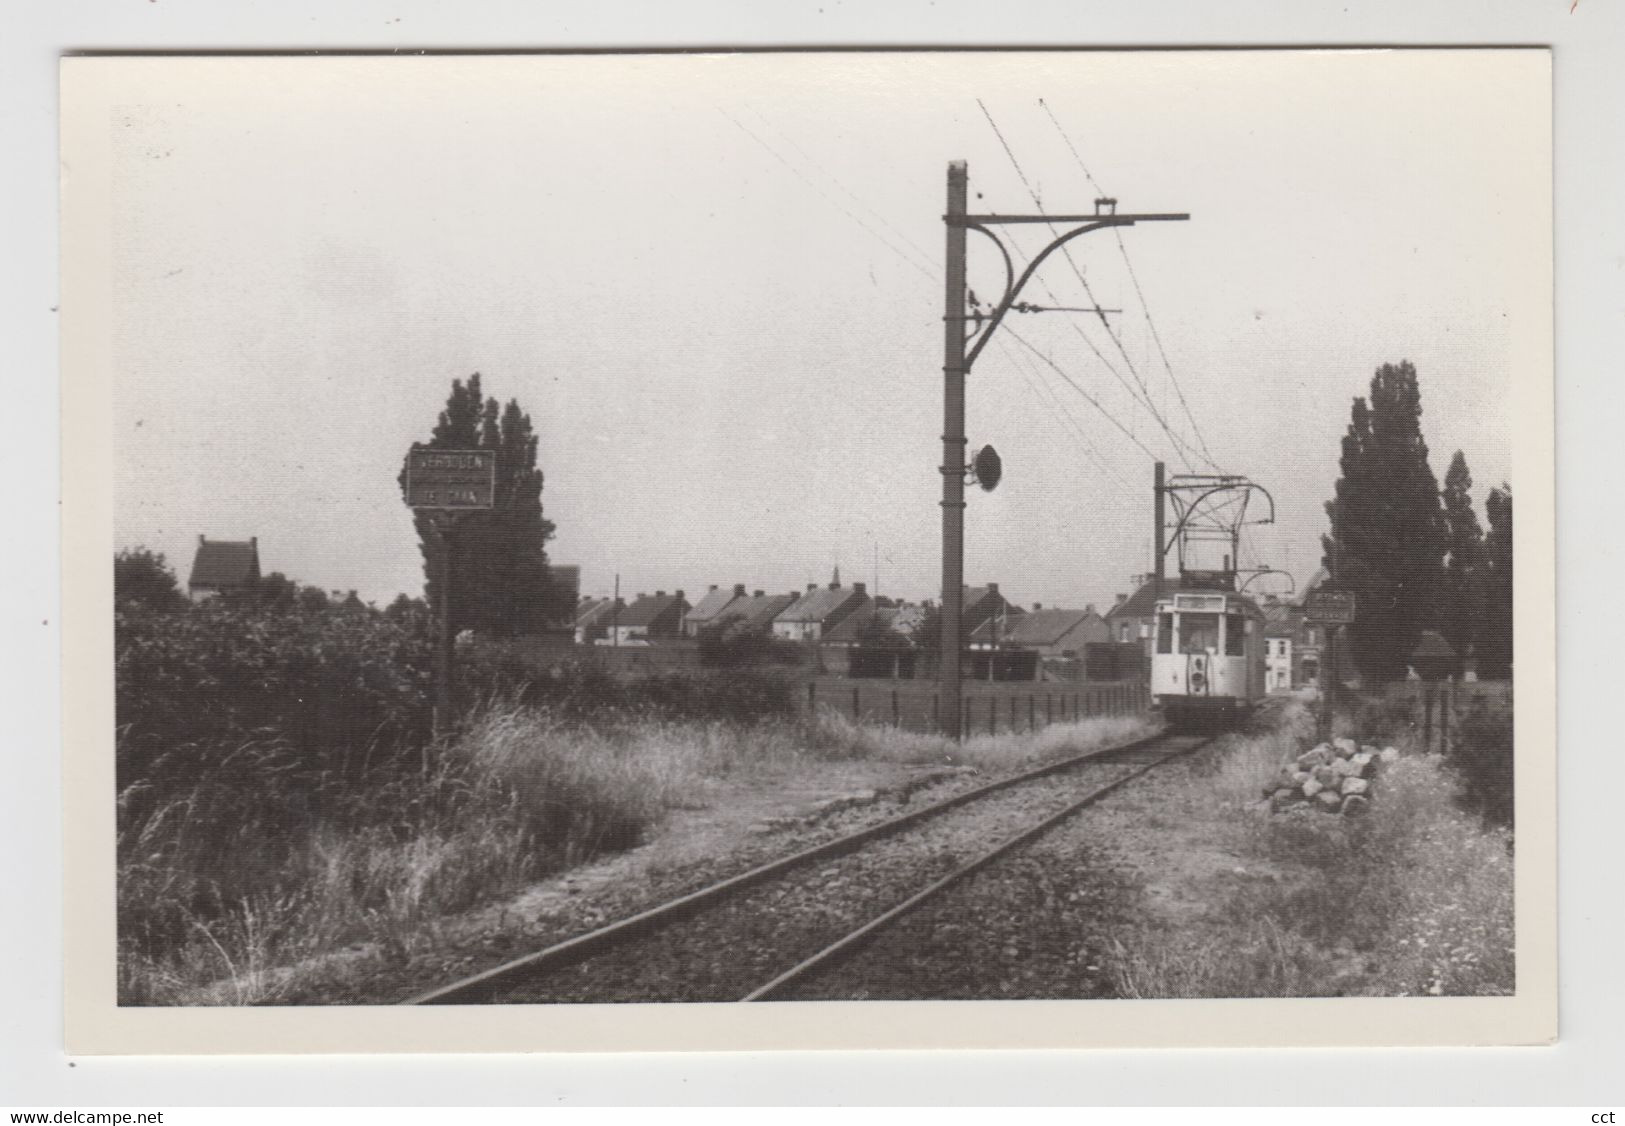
1180, 446
1134, 279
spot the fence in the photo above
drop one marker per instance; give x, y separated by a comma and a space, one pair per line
986, 707
1437, 712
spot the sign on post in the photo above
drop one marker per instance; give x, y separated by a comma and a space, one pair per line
1330, 607
451, 479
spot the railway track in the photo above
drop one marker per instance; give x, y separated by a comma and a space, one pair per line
764, 932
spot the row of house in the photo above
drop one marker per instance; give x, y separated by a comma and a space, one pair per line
1005, 641
847, 627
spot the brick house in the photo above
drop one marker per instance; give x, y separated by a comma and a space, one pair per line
651, 617
712, 608
817, 611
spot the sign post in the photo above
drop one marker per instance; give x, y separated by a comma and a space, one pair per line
1333, 609
446, 483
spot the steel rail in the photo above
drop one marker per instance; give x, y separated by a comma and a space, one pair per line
848, 945
480, 987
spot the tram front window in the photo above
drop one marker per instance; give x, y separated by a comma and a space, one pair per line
1198, 633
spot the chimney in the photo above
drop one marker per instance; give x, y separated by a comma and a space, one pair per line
1119, 599
713, 586
254, 542
811, 587
1037, 606
860, 589
758, 594
201, 538
679, 597
993, 588
739, 590
835, 586
1088, 607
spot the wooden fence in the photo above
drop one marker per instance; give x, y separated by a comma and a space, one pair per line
988, 708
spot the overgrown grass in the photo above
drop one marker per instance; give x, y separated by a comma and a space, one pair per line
1415, 898
833, 735
224, 888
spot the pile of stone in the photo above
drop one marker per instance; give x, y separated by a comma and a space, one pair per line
1334, 777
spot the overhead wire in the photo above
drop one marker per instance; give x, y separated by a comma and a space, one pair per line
1076, 386
1134, 279
1057, 408
825, 196
1181, 448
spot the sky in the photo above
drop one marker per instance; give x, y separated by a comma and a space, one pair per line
715, 284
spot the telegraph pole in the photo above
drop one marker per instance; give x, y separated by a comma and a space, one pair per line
956, 364
1159, 507
953, 451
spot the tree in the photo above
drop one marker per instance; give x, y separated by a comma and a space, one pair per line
500, 583
1463, 586
1387, 541
142, 580
1495, 647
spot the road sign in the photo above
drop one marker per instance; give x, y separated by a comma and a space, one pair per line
1330, 607
451, 479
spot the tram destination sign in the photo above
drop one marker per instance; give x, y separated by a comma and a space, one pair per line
1330, 607
453, 479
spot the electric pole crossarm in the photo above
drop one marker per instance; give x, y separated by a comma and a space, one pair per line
1012, 291
1097, 220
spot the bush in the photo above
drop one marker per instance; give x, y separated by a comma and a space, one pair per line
584, 690
318, 686
1482, 752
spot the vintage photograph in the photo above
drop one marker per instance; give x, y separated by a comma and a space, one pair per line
783, 527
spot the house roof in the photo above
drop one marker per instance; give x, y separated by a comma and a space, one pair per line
648, 609
593, 611
715, 601
976, 595
818, 605
225, 563
850, 627
1039, 627
758, 611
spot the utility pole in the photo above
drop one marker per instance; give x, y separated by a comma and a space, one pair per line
953, 450
445, 641
1158, 477
960, 350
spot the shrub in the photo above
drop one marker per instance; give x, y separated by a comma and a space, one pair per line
1481, 751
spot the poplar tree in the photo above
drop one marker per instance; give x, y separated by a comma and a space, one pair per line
1495, 645
500, 582
1387, 540
1464, 577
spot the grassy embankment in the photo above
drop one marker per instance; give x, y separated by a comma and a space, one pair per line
256, 866
1414, 898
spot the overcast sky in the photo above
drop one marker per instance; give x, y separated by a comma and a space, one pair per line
715, 285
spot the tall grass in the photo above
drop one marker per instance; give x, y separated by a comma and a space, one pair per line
1414, 898
833, 735
224, 888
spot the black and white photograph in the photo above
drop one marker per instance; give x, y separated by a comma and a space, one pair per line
580, 538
